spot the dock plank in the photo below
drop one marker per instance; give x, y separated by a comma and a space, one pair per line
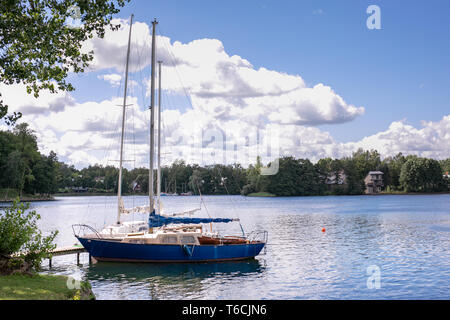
67, 250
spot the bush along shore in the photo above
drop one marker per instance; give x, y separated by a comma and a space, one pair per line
25, 171
23, 247
9, 195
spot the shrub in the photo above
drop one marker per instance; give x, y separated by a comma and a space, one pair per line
22, 245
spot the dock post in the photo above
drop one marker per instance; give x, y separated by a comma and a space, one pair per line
49, 262
78, 259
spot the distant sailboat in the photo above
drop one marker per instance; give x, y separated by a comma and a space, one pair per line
163, 238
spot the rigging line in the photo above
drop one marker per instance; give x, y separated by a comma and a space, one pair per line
186, 91
113, 136
201, 201
115, 133
172, 60
141, 78
233, 203
163, 124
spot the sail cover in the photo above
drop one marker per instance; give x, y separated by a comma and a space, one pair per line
155, 220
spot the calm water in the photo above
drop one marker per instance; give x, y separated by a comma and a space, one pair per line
406, 237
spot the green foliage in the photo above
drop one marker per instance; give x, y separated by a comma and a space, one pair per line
357, 167
26, 170
295, 177
39, 47
392, 167
255, 181
421, 175
23, 167
19, 233
216, 179
445, 164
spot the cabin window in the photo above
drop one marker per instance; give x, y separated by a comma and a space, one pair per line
187, 239
169, 239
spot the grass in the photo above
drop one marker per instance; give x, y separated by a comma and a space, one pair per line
41, 287
261, 194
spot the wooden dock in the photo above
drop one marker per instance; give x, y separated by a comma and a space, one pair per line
62, 251
68, 250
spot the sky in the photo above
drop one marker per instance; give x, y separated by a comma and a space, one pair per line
270, 78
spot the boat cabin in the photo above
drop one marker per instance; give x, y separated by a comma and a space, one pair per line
182, 235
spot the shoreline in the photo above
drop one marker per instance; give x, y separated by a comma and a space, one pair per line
27, 199
254, 195
352, 195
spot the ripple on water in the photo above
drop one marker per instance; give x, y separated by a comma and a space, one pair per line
406, 237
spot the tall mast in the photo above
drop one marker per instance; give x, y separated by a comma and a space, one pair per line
119, 187
152, 117
158, 184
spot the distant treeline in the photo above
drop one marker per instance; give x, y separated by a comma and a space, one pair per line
24, 169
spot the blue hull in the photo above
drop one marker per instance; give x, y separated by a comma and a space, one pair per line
107, 250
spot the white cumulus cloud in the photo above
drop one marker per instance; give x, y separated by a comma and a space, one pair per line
237, 111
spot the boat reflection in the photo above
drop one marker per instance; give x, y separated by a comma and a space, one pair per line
139, 271
167, 281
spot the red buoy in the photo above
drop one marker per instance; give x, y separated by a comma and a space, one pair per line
323, 229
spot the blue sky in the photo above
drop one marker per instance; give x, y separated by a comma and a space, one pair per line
399, 72
317, 49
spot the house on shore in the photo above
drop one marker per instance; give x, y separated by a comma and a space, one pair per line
336, 181
374, 182
339, 178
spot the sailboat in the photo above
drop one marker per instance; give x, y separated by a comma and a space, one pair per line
164, 237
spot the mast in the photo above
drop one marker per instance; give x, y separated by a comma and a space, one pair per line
119, 187
158, 183
152, 117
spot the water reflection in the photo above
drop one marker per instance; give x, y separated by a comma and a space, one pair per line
166, 281
407, 237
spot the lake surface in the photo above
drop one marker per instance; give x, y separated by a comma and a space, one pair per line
374, 247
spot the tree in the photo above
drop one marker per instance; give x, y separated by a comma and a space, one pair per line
355, 181
357, 167
12, 171
44, 172
18, 157
394, 167
295, 177
255, 181
196, 181
365, 161
19, 234
39, 47
140, 178
445, 164
328, 168
64, 175
421, 175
